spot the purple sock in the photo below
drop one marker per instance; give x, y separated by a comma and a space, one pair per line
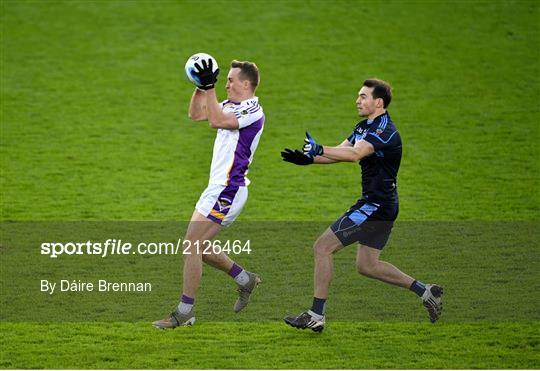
235, 270
187, 300
186, 304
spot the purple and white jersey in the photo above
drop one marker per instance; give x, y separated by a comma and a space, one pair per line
234, 149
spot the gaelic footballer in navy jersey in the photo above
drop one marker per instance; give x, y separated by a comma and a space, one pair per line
376, 145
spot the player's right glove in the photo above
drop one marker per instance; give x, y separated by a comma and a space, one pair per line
311, 147
296, 157
207, 77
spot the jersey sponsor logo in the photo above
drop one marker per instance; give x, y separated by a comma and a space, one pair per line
378, 131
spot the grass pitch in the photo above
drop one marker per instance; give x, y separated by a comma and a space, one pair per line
344, 345
94, 127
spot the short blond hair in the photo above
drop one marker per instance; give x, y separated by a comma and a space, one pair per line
248, 71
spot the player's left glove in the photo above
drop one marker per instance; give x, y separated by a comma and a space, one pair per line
311, 147
296, 157
206, 76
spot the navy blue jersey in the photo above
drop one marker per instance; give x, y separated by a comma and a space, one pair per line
380, 169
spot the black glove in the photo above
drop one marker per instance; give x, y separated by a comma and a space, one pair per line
296, 157
205, 75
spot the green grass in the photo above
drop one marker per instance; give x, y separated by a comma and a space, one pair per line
489, 272
94, 105
93, 110
343, 345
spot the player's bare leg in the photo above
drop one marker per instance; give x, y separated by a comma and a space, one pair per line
323, 249
200, 229
369, 265
219, 261
247, 281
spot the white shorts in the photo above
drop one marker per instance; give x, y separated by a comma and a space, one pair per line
222, 204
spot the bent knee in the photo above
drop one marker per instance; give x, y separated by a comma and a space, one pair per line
322, 248
365, 268
326, 244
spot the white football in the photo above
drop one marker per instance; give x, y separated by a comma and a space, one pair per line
198, 58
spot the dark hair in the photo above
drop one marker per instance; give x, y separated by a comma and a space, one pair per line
381, 89
248, 71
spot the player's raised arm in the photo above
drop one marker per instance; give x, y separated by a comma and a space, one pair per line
216, 117
202, 72
197, 106
207, 78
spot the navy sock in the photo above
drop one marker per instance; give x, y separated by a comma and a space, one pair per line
318, 306
418, 287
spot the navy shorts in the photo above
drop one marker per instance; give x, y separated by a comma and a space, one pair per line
367, 223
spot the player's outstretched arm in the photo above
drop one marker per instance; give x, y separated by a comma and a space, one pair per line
323, 160
197, 106
298, 157
326, 160
342, 153
360, 150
